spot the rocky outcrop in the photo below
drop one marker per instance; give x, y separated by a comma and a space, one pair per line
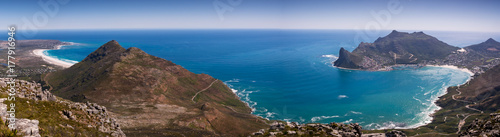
483, 128
33, 91
30, 90
26, 127
348, 60
332, 129
395, 133
392, 133
104, 122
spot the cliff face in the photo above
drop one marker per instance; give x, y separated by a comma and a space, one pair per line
348, 60
153, 96
398, 48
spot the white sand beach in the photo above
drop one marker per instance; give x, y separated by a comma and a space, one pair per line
454, 67
51, 60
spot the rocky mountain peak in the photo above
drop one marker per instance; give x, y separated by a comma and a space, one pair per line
112, 47
395, 33
342, 50
343, 53
491, 40
489, 48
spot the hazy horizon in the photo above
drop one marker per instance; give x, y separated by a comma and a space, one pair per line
476, 16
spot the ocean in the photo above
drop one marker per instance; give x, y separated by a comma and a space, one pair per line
288, 74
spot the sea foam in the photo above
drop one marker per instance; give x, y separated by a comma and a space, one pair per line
314, 119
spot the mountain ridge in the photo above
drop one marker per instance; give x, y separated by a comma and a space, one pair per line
489, 48
145, 91
418, 48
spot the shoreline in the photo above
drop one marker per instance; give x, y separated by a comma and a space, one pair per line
454, 67
389, 68
51, 60
428, 121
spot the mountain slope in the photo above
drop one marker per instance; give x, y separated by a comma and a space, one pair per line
42, 114
488, 48
484, 90
154, 96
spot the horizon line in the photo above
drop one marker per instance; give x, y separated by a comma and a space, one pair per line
400, 30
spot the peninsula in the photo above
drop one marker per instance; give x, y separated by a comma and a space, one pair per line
418, 48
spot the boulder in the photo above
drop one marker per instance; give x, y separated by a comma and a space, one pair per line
28, 127
395, 133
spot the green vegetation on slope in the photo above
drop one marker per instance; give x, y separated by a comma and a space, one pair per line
52, 123
127, 81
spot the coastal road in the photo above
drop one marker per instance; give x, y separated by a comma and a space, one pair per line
462, 121
467, 106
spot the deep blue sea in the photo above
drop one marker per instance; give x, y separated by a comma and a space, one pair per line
287, 74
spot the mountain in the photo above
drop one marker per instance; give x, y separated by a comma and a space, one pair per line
153, 96
478, 58
395, 48
489, 48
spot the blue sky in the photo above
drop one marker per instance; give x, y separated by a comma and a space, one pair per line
455, 15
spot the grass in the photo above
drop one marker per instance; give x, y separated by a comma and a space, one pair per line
52, 123
188, 81
5, 131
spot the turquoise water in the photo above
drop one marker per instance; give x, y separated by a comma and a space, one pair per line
286, 74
